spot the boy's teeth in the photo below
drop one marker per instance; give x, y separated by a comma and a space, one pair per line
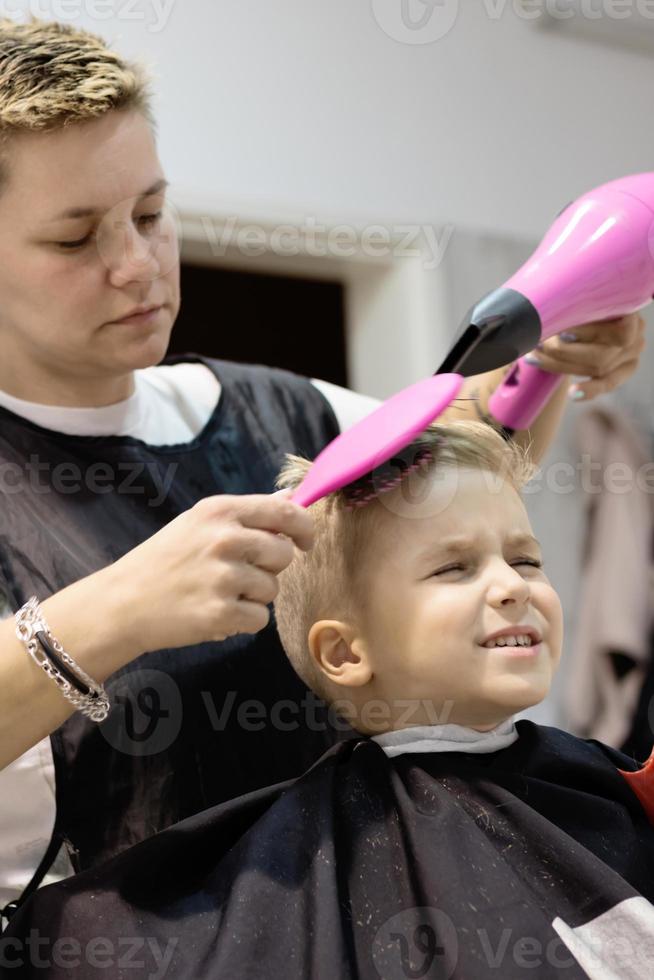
511, 641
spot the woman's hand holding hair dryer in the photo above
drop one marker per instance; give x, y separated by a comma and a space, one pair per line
604, 354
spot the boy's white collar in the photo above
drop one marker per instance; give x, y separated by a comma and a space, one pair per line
447, 738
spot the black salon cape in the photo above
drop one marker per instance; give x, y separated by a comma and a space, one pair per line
439, 865
189, 727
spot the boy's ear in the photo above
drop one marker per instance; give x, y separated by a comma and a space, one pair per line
339, 653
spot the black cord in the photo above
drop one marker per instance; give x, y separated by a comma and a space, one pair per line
63, 668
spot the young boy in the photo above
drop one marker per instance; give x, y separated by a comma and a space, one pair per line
445, 839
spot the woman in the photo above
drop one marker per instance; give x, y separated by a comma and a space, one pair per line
146, 485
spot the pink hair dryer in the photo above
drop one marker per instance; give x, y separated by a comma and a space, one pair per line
596, 262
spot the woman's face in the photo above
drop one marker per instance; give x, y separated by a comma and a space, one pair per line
59, 301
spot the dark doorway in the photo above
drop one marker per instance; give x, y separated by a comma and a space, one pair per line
282, 321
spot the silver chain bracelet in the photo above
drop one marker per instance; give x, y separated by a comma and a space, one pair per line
29, 623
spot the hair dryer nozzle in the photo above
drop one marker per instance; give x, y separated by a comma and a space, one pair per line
500, 328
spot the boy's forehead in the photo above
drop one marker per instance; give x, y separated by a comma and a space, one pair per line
428, 540
466, 506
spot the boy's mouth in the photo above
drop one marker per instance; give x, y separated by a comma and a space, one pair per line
517, 649
514, 636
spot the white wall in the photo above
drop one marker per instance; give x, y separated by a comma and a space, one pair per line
313, 106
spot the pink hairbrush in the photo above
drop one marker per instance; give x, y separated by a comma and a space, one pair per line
374, 440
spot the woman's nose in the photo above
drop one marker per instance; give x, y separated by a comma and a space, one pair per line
129, 255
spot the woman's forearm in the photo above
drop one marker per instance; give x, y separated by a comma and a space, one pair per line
91, 619
473, 403
189, 583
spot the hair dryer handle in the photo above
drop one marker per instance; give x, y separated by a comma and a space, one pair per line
522, 395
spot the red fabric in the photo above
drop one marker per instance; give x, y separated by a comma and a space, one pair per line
642, 784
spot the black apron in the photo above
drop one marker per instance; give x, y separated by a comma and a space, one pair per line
535, 861
189, 727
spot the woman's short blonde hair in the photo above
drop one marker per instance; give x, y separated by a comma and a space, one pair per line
53, 75
327, 582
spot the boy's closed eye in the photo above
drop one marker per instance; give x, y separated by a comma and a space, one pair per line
519, 561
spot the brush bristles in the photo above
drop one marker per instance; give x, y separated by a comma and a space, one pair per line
382, 480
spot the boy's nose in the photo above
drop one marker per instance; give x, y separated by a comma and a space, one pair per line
509, 586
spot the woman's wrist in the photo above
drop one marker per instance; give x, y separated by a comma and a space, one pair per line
95, 619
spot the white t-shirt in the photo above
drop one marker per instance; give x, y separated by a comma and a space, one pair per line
170, 405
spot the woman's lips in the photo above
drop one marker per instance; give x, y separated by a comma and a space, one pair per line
141, 318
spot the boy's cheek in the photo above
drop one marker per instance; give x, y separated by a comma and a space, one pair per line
552, 610
556, 645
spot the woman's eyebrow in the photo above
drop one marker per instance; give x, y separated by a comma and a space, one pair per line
85, 212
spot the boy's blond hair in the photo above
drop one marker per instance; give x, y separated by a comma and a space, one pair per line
53, 75
327, 581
